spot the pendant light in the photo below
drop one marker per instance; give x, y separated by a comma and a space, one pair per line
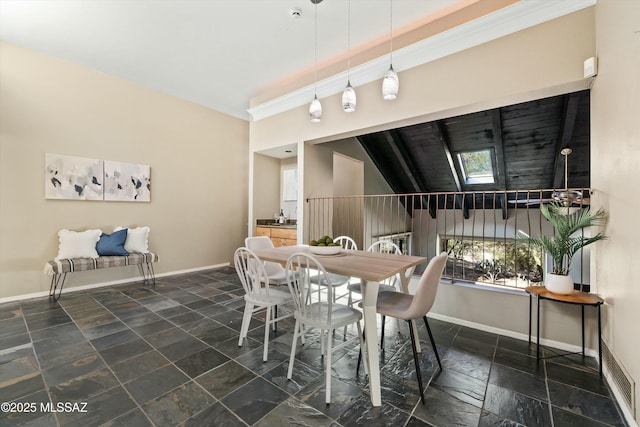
315, 109
390, 83
349, 94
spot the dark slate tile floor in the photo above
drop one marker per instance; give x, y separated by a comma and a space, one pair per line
168, 355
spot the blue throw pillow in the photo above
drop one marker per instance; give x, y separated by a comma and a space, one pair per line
112, 244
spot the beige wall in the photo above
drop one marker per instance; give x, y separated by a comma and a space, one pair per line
541, 61
198, 157
615, 155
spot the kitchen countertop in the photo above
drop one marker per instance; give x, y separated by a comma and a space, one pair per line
270, 223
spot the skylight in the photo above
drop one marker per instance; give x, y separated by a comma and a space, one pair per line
477, 167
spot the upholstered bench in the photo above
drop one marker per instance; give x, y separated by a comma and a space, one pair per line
59, 268
93, 250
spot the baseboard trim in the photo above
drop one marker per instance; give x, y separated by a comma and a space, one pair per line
111, 283
524, 337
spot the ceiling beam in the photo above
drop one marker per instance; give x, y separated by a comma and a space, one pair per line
441, 131
564, 140
404, 160
498, 142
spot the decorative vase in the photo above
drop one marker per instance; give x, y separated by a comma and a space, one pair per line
558, 284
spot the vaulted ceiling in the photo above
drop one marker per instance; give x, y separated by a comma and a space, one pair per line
525, 141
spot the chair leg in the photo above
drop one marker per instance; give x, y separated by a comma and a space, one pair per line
382, 334
433, 343
275, 316
361, 336
360, 353
266, 334
327, 366
415, 360
246, 319
293, 349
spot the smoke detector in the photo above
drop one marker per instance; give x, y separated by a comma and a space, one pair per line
295, 12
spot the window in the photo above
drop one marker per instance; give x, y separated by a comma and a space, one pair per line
503, 262
477, 167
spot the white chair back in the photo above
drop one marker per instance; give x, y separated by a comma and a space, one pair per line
427, 288
346, 242
313, 303
385, 246
252, 274
264, 242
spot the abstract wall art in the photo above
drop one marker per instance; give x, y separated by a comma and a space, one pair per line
127, 182
73, 178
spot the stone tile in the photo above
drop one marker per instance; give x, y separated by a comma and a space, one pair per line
104, 317
293, 412
80, 365
516, 406
468, 364
254, 400
15, 352
441, 408
186, 318
492, 420
12, 326
116, 338
572, 419
139, 365
519, 381
14, 341
104, 329
201, 362
589, 381
166, 337
463, 387
100, 409
519, 361
84, 386
175, 310
585, 403
10, 311
301, 376
45, 340
142, 319
360, 412
155, 383
343, 396
215, 415
135, 418
121, 352
182, 348
47, 319
178, 405
17, 368
21, 386
225, 379
25, 418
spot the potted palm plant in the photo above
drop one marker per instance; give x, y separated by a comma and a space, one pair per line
567, 240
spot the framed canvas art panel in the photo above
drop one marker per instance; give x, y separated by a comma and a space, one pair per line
127, 182
73, 178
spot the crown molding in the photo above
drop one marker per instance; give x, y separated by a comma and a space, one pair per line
511, 19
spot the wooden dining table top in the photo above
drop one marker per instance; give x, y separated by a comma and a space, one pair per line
369, 266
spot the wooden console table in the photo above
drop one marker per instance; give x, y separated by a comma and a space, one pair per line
576, 298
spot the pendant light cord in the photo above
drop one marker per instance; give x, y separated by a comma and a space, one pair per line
349, 41
315, 49
391, 32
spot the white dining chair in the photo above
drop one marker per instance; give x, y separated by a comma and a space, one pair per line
275, 271
411, 307
315, 308
258, 294
338, 280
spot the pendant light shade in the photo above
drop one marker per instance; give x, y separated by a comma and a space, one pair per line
391, 82
390, 85
349, 99
315, 110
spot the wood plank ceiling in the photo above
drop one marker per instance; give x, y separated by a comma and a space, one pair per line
525, 141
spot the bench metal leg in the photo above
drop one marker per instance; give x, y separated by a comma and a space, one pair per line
148, 275
57, 280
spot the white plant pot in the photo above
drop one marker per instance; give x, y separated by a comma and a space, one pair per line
558, 284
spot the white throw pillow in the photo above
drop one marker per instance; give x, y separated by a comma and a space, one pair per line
78, 244
137, 239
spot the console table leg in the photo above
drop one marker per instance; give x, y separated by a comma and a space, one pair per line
530, 307
582, 307
599, 341
538, 332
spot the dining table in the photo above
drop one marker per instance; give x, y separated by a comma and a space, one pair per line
371, 268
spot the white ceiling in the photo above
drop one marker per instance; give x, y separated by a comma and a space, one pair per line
222, 53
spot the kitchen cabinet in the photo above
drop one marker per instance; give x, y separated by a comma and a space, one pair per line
280, 236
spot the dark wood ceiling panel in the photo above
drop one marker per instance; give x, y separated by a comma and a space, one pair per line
525, 138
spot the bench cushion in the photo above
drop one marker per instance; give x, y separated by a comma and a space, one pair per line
67, 265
